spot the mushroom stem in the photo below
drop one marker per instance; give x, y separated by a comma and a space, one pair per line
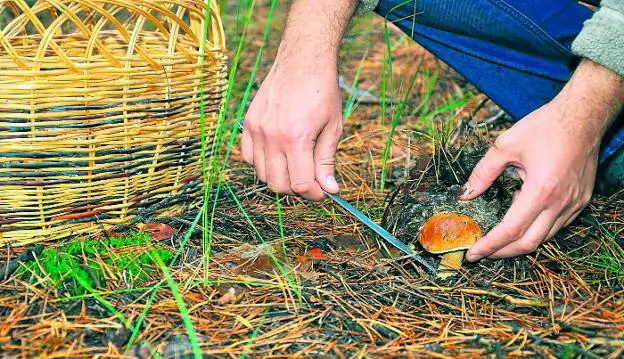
451, 261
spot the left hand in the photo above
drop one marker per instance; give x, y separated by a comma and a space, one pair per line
555, 151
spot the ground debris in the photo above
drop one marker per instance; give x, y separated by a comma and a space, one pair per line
320, 284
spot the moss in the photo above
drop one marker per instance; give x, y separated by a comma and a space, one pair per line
82, 261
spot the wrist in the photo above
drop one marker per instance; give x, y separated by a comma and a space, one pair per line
305, 62
594, 95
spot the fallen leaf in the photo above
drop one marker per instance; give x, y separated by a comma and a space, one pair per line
228, 297
305, 268
158, 231
256, 261
316, 254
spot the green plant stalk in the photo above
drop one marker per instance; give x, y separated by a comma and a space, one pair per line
202, 103
103, 301
218, 142
395, 123
387, 79
384, 95
250, 341
387, 75
389, 58
352, 99
186, 319
237, 123
281, 223
269, 249
156, 288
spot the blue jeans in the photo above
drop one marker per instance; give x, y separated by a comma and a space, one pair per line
517, 52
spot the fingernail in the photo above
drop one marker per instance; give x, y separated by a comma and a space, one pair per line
473, 256
467, 190
331, 182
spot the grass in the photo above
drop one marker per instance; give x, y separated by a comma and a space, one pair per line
156, 288
186, 319
395, 122
352, 99
93, 261
269, 248
235, 127
608, 255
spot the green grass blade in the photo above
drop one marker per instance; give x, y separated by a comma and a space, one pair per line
186, 319
235, 128
352, 100
395, 122
280, 223
250, 341
156, 288
219, 140
101, 299
277, 263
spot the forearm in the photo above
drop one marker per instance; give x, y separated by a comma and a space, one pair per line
598, 93
314, 31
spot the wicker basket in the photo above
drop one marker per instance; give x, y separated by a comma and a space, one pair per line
100, 111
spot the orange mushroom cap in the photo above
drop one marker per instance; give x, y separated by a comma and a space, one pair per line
448, 232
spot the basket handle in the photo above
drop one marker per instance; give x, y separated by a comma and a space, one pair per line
215, 30
197, 14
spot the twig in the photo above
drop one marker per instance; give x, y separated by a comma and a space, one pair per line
510, 299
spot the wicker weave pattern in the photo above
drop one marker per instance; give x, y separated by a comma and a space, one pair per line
100, 111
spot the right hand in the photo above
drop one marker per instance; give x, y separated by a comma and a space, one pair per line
293, 127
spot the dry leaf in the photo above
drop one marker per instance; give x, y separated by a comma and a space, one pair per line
228, 297
158, 231
305, 268
255, 261
316, 254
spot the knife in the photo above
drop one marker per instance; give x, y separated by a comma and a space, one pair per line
372, 225
379, 230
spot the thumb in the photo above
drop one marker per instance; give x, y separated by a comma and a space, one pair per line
325, 157
484, 174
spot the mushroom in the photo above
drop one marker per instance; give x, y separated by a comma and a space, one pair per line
450, 234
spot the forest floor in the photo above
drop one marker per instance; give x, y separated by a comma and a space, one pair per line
287, 277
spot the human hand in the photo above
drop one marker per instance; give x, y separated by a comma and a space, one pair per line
293, 126
555, 151
294, 123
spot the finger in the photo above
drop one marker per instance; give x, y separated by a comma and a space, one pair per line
300, 160
258, 157
247, 147
564, 220
514, 225
278, 180
485, 173
252, 148
325, 157
571, 212
531, 240
573, 216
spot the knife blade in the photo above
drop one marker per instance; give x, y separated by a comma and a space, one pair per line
379, 230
